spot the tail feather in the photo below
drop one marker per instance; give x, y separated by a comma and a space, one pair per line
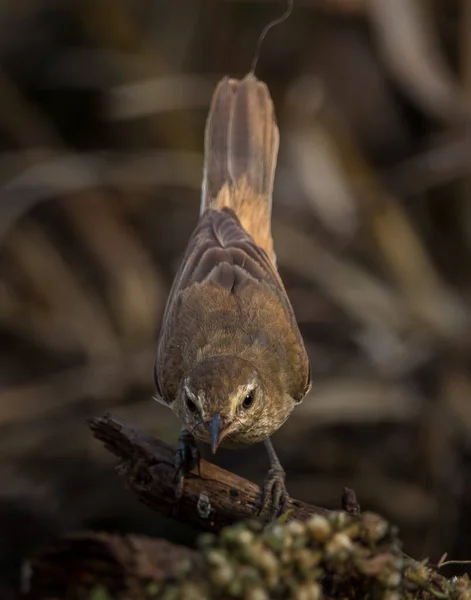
216, 164
253, 136
241, 150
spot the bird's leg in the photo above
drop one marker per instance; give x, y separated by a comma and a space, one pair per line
274, 494
186, 458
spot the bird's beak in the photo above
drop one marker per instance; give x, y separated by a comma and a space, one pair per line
215, 431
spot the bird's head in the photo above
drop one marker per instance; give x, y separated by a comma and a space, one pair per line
225, 397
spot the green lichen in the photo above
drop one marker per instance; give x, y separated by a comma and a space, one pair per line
339, 556
324, 558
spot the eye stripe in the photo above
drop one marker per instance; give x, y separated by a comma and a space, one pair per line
247, 387
189, 399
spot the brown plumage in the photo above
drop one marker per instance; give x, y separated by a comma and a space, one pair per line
231, 361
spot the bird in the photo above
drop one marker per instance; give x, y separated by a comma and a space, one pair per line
231, 361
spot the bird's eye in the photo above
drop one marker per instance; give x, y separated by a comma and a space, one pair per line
191, 406
248, 400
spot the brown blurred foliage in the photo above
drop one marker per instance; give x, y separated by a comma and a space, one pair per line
102, 112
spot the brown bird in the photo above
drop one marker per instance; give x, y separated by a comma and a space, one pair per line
231, 362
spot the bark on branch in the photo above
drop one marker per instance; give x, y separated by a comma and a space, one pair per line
211, 501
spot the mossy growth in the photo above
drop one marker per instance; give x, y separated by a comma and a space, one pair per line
335, 557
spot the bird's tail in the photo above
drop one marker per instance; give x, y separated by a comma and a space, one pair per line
241, 150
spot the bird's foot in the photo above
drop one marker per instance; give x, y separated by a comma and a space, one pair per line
274, 495
187, 458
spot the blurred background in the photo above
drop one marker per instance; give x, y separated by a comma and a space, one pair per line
102, 112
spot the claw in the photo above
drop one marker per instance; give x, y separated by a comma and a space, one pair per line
274, 495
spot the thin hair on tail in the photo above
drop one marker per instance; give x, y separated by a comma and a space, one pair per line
241, 151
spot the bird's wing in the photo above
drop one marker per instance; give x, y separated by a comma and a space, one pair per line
220, 251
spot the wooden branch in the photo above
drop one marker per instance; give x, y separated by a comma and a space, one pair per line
209, 502
124, 565
335, 559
